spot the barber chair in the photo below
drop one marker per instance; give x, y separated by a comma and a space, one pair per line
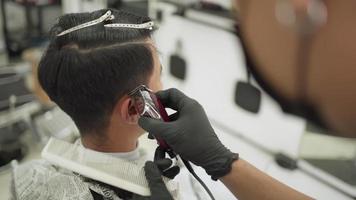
16, 106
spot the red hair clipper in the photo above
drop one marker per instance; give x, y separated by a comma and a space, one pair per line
147, 104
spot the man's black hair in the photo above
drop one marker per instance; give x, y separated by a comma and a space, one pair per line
87, 71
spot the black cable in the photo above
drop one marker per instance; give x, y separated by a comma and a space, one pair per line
248, 73
191, 170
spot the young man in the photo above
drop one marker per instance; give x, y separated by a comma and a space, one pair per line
93, 61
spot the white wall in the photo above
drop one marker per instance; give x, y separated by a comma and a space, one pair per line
72, 6
225, 3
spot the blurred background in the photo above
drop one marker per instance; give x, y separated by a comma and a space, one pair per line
201, 56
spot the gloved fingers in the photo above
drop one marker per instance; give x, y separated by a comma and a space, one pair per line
172, 98
163, 164
151, 125
159, 154
173, 117
150, 136
155, 182
172, 172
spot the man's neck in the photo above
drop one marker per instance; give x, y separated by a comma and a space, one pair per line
112, 142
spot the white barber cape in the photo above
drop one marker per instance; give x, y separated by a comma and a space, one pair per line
44, 179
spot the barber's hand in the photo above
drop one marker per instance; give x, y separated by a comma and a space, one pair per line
190, 134
153, 172
165, 164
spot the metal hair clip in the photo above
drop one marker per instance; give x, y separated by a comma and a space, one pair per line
106, 17
148, 25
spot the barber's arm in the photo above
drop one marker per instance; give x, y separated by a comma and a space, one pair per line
247, 182
191, 136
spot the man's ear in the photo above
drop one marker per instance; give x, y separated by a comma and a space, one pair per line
127, 111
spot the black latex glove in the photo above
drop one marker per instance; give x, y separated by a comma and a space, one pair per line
164, 164
154, 171
190, 134
155, 182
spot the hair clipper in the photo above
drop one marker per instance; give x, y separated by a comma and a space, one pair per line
147, 104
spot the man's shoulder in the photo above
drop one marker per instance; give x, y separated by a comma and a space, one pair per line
39, 179
37, 171
34, 165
